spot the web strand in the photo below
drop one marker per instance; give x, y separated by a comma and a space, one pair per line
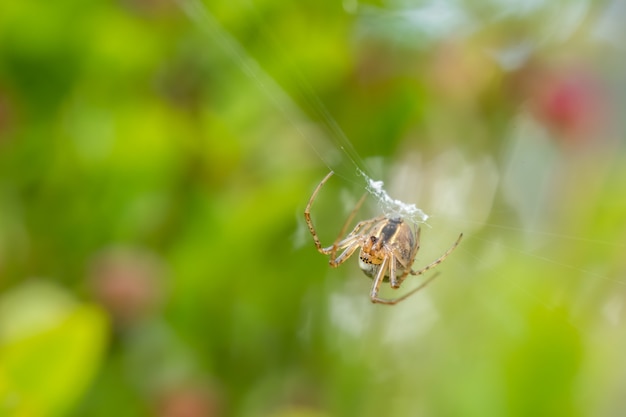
333, 149
338, 153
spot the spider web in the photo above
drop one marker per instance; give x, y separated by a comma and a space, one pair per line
515, 249
392, 207
334, 148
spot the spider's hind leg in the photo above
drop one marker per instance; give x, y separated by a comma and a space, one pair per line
393, 301
389, 263
440, 259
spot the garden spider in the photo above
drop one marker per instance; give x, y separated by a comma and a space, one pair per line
388, 248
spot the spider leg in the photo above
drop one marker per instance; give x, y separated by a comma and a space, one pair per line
338, 244
351, 217
392, 269
407, 295
377, 281
307, 215
392, 301
350, 244
362, 224
335, 262
394, 281
332, 250
397, 282
438, 260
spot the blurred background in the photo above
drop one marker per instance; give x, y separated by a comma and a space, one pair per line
156, 159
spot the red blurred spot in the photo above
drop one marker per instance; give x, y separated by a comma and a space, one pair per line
189, 401
127, 283
573, 103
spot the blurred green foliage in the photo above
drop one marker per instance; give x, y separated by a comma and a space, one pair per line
153, 254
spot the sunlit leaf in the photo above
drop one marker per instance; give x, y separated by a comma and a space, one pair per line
46, 365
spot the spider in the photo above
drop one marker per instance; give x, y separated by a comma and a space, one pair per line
388, 248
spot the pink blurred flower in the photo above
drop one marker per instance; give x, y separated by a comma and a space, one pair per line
128, 283
572, 102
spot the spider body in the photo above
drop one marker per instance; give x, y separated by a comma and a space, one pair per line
390, 233
388, 247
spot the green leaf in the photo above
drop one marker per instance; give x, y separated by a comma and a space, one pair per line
50, 349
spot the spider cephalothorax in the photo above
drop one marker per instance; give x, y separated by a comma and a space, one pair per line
386, 234
388, 246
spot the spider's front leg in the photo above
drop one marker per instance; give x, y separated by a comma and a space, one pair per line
307, 215
355, 235
338, 244
352, 243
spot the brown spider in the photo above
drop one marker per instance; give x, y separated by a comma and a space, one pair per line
388, 248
